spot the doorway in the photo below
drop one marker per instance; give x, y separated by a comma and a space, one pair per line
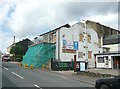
116, 62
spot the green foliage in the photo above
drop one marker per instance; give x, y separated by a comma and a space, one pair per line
17, 50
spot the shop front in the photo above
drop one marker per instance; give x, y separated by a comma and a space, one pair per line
108, 60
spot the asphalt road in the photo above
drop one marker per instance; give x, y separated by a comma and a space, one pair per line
15, 76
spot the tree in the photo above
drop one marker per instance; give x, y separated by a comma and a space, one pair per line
17, 51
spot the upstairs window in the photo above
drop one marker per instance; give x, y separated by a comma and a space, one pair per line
89, 54
80, 54
99, 43
80, 37
54, 38
89, 38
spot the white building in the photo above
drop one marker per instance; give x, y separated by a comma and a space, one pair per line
85, 40
110, 58
87, 44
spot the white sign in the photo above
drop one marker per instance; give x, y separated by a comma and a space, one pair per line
77, 65
82, 66
70, 45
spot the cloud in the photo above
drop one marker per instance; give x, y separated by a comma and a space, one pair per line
89, 8
6, 39
29, 18
34, 17
110, 20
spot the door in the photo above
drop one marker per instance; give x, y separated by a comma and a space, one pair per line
106, 62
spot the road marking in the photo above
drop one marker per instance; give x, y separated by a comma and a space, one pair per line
64, 77
17, 75
5, 68
37, 86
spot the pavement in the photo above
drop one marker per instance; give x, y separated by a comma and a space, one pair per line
114, 72
89, 79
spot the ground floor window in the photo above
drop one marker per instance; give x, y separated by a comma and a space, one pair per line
100, 59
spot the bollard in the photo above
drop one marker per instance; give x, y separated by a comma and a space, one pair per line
31, 66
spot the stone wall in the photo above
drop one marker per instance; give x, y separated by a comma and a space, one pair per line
101, 29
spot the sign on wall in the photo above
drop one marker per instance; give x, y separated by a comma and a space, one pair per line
70, 45
64, 42
75, 45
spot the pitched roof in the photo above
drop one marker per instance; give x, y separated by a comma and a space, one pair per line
66, 25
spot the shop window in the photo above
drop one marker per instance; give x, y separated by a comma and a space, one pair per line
80, 54
80, 37
100, 59
89, 38
89, 54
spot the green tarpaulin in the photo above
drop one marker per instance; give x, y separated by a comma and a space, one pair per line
39, 54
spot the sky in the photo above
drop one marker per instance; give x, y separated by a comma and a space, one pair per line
30, 18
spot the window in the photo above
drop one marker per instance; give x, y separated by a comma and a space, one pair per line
54, 38
99, 42
106, 60
80, 54
80, 37
89, 54
45, 38
100, 59
89, 38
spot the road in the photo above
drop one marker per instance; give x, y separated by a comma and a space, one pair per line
15, 76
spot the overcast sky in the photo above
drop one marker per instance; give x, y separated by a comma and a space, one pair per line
30, 18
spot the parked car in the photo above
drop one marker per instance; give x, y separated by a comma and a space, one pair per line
6, 58
18, 59
108, 83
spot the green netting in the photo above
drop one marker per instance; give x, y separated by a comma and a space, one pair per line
39, 54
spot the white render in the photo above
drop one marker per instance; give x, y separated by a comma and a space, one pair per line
113, 47
103, 65
72, 34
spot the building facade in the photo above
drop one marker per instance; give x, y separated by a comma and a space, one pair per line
81, 39
110, 57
